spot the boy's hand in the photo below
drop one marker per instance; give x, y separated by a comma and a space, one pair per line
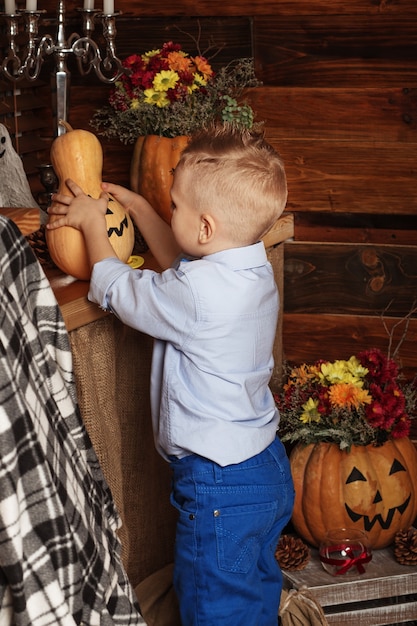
79, 211
127, 198
87, 215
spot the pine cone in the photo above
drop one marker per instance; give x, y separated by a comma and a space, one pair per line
405, 546
292, 553
37, 241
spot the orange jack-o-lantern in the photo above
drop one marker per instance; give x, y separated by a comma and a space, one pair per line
78, 155
370, 488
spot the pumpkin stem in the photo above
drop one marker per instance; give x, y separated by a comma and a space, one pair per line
65, 124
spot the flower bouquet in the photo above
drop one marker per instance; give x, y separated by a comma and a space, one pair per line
167, 92
359, 401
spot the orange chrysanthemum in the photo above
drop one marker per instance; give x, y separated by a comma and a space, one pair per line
303, 374
203, 66
178, 62
348, 395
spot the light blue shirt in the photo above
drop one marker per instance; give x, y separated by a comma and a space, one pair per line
214, 321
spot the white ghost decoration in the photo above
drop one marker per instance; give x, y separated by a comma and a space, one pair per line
14, 186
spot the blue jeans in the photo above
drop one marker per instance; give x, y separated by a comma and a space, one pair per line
230, 520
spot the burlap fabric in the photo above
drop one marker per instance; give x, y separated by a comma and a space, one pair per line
157, 599
112, 365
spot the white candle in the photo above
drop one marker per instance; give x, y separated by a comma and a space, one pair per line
31, 5
108, 7
88, 4
10, 6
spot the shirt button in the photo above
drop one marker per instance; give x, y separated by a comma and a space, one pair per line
191, 516
216, 513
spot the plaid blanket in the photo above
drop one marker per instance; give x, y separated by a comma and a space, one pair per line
59, 553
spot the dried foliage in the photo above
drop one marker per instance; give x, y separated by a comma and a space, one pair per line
360, 401
167, 92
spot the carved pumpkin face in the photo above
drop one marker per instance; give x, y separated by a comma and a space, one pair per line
371, 488
67, 248
119, 229
375, 494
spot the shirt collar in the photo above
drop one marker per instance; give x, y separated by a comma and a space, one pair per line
240, 258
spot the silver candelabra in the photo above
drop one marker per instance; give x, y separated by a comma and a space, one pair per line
17, 65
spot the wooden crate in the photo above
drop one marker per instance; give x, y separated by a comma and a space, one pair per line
385, 594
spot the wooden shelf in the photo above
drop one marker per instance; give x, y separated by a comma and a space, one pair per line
71, 295
28, 220
385, 594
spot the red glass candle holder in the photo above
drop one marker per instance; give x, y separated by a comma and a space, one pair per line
345, 551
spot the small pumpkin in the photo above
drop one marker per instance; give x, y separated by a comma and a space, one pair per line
153, 161
369, 488
77, 154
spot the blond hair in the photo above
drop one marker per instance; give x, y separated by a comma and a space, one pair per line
237, 176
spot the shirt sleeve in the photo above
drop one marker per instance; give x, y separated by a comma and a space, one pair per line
163, 305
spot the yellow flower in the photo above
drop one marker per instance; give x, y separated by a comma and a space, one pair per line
148, 55
134, 103
158, 98
348, 396
355, 367
341, 372
310, 412
164, 80
199, 81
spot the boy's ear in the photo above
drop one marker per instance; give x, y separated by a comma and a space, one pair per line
207, 229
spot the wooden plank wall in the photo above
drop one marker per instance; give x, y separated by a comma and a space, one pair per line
25, 112
339, 101
345, 123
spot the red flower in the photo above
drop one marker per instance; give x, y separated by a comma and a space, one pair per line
324, 406
381, 369
401, 428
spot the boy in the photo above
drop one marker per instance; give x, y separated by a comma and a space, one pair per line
213, 313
